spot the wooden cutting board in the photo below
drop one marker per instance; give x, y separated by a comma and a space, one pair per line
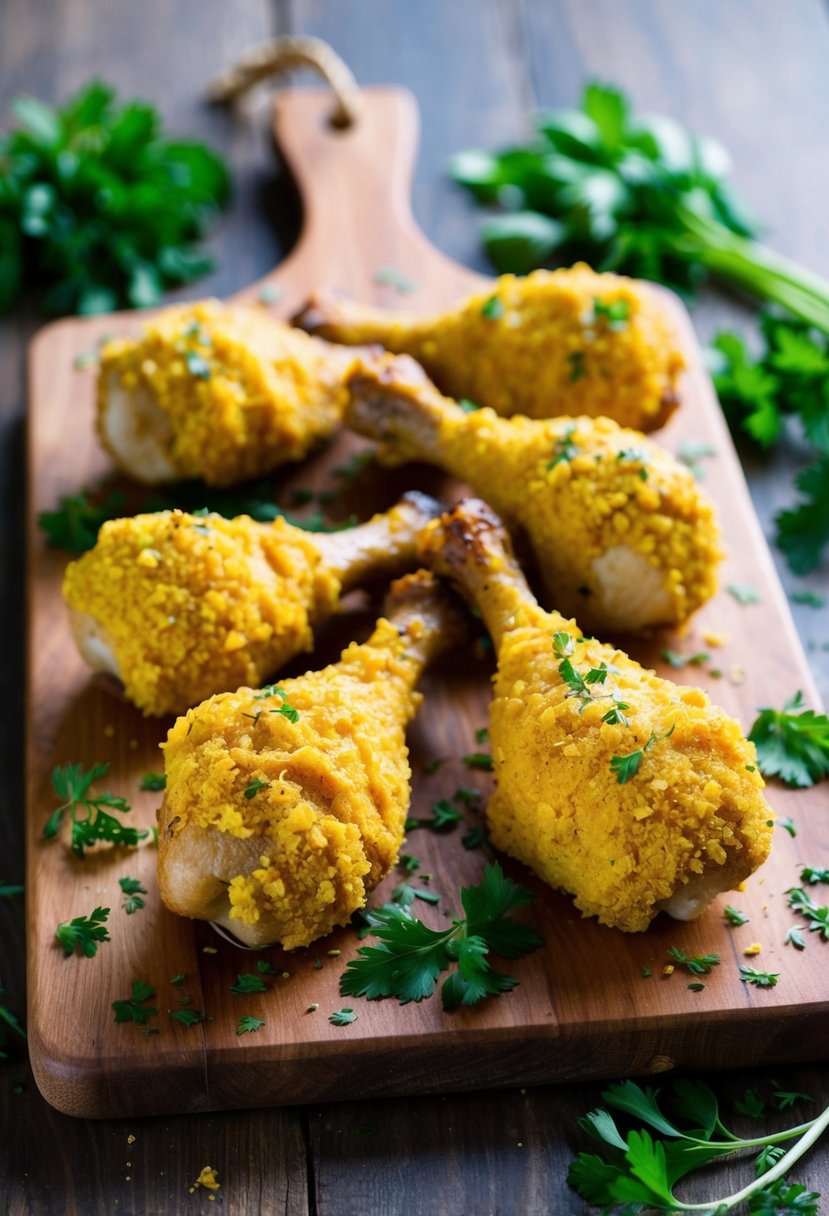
593, 1002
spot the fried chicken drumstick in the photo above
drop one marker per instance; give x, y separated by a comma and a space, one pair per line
556, 342
623, 536
220, 392
284, 808
629, 792
180, 606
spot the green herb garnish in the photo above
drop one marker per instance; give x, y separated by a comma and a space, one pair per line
760, 979
153, 781
700, 964
135, 1009
133, 891
792, 743
83, 934
247, 983
410, 957
639, 1168
90, 822
99, 208
247, 1024
492, 309
343, 1017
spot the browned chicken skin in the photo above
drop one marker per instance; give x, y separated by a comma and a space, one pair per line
285, 807
556, 342
629, 792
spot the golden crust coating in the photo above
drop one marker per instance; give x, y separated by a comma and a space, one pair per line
633, 794
623, 535
279, 829
541, 345
240, 392
587, 492
693, 813
186, 603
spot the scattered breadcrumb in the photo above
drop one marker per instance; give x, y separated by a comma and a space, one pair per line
207, 1178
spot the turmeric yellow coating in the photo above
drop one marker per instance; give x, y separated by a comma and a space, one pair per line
590, 495
279, 828
185, 604
543, 345
692, 811
623, 535
238, 391
629, 792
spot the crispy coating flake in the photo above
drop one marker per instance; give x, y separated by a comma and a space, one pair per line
296, 857
192, 603
540, 345
238, 391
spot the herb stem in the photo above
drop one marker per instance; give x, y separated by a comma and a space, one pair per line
767, 274
814, 1131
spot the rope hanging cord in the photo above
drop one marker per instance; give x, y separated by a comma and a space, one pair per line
282, 55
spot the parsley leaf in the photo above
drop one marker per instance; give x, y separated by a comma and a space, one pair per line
411, 957
744, 593
83, 934
343, 1017
133, 891
248, 1024
638, 1171
90, 822
248, 982
700, 964
101, 208
76, 521
792, 743
478, 760
135, 1008
814, 874
760, 979
187, 1017
803, 530
153, 781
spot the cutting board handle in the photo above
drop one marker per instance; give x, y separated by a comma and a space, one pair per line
355, 186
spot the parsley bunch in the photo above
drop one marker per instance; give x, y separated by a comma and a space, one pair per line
792, 743
90, 822
98, 207
788, 378
640, 1171
411, 956
636, 194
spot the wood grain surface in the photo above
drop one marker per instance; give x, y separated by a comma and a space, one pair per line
477, 68
583, 1008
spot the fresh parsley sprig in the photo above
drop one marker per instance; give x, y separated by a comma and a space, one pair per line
792, 743
638, 1172
631, 193
83, 934
410, 957
98, 207
135, 1008
90, 821
787, 378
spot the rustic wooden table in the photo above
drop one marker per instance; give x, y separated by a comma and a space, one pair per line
746, 72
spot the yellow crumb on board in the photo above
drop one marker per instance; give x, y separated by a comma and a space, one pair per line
207, 1178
